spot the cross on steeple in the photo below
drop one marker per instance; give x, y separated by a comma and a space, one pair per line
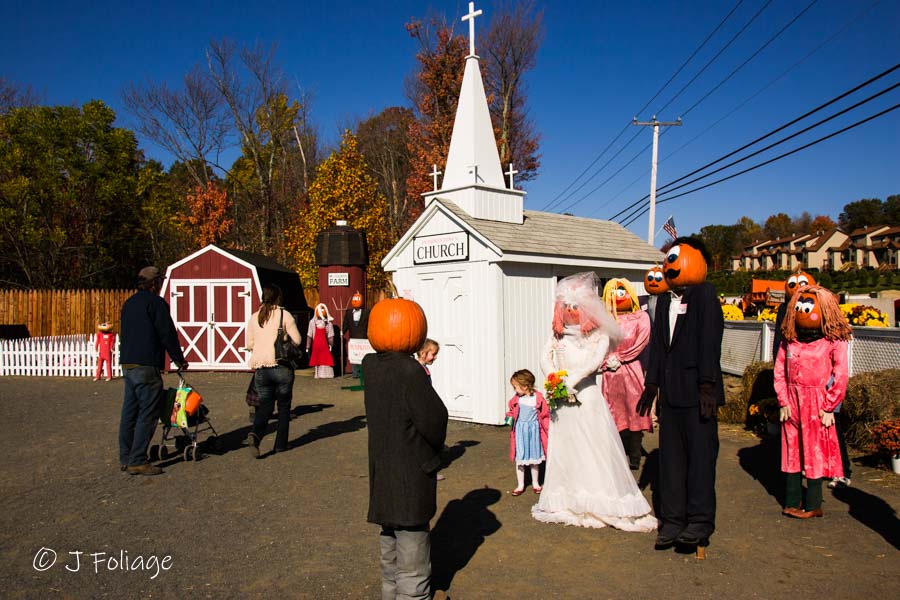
474, 171
471, 19
434, 175
511, 172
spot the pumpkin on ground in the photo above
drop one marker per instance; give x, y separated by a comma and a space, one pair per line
397, 325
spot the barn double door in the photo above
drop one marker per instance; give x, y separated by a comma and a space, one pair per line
211, 319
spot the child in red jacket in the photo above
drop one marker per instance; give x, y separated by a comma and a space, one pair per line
530, 424
104, 344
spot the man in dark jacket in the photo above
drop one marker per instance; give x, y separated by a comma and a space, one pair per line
407, 424
685, 349
147, 334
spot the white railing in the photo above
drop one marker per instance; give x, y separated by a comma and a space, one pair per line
58, 356
871, 349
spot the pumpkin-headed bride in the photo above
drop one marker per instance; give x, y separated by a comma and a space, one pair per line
588, 482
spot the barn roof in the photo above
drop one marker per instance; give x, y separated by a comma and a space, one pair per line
561, 235
257, 260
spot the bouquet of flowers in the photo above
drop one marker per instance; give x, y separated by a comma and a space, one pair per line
886, 437
556, 389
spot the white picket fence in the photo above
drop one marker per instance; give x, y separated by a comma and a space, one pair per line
58, 356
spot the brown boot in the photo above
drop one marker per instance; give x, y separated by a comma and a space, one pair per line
793, 512
145, 469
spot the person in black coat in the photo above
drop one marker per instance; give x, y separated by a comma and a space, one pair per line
356, 325
407, 424
685, 349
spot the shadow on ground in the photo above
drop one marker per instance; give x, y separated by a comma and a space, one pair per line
763, 463
871, 511
650, 476
459, 532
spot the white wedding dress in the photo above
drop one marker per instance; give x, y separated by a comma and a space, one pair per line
588, 482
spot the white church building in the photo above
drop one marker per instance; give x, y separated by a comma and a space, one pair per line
485, 270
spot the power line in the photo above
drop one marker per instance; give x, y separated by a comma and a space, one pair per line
772, 82
717, 55
785, 139
752, 56
769, 134
658, 92
771, 160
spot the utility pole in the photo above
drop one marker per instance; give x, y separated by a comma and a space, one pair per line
656, 125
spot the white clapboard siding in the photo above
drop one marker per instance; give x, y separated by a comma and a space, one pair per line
58, 356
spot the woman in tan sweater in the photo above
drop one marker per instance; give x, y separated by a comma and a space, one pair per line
274, 382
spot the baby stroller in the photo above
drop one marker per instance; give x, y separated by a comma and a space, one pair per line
182, 409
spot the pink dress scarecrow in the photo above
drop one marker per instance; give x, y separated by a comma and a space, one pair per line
104, 344
623, 375
811, 373
320, 336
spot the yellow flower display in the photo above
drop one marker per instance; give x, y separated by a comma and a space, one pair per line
864, 315
732, 313
767, 315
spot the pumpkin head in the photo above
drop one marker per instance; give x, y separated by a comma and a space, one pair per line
655, 281
808, 313
356, 301
397, 325
619, 296
797, 281
686, 262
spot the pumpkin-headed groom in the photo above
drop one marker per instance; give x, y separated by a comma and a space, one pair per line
685, 346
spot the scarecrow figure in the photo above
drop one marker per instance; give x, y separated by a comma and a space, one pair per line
623, 375
356, 324
685, 347
320, 338
104, 344
811, 373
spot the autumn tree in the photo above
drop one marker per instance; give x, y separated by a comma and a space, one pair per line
891, 210
434, 91
342, 189
821, 223
510, 50
748, 231
269, 178
722, 242
160, 216
208, 210
13, 95
67, 198
384, 143
189, 122
778, 226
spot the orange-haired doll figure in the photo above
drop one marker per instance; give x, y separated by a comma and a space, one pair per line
811, 373
104, 344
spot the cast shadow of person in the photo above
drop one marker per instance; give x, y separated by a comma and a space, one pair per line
237, 438
763, 463
453, 453
459, 532
650, 476
327, 430
871, 511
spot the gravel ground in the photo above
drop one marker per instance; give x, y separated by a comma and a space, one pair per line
293, 525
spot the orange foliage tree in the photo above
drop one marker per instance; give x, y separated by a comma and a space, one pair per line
342, 189
434, 91
208, 209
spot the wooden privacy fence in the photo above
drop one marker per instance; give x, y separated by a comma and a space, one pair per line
61, 312
372, 297
61, 356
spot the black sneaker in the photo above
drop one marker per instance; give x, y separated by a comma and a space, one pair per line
253, 445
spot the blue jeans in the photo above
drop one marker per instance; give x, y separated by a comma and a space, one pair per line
140, 413
405, 563
275, 385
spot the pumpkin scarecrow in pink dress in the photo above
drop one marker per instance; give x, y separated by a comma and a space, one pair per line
320, 337
104, 344
811, 373
623, 375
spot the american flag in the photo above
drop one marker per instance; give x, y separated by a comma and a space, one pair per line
669, 226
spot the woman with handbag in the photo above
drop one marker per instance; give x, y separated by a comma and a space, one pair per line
274, 381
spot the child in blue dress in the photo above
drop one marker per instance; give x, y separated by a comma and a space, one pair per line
530, 423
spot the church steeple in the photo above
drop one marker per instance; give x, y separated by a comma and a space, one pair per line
473, 177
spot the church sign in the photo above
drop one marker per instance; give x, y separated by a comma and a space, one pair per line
445, 247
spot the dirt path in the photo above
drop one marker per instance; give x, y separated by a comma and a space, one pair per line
293, 524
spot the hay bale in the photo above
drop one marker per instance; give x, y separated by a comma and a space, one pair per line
871, 398
735, 409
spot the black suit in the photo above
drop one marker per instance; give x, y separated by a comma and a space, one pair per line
688, 443
407, 424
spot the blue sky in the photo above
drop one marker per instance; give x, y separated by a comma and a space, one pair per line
599, 63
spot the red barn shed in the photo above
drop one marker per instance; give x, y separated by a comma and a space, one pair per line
213, 292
